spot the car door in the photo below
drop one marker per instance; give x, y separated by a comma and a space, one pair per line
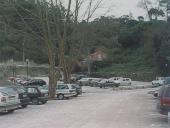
32, 92
122, 82
62, 88
126, 82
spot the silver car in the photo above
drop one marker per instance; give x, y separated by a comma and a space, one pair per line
9, 100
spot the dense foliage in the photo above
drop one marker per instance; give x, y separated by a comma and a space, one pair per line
130, 45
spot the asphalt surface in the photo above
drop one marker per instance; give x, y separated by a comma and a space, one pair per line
96, 108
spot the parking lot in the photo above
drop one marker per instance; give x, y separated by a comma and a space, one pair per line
96, 108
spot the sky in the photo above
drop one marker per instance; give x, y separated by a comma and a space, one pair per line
121, 7
115, 8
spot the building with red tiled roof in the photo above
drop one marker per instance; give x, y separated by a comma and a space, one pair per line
98, 56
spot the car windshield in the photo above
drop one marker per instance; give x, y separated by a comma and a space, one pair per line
42, 89
7, 90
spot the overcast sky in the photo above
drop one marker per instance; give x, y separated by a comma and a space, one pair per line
121, 7
116, 8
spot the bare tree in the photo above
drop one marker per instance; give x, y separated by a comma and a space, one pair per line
46, 30
145, 5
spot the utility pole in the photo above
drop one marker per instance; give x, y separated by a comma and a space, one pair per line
27, 62
23, 51
89, 63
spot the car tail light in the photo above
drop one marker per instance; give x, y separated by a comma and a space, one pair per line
164, 102
3, 99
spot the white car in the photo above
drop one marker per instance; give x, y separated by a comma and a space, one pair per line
113, 79
65, 91
103, 81
9, 100
94, 81
60, 82
158, 82
18, 80
84, 81
123, 82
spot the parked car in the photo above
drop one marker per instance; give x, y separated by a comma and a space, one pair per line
18, 80
113, 79
123, 82
37, 94
23, 96
8, 100
24, 82
12, 79
84, 81
78, 89
65, 91
158, 82
164, 100
38, 82
60, 82
105, 83
93, 82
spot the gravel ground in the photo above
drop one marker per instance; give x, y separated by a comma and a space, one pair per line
96, 108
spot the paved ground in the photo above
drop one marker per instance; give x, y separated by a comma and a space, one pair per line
140, 83
97, 108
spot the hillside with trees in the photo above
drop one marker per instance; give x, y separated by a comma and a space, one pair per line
51, 33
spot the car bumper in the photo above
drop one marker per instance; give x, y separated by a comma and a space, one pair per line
69, 94
43, 98
163, 109
9, 107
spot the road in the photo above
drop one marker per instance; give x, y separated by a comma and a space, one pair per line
96, 108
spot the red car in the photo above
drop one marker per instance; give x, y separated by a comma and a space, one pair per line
164, 100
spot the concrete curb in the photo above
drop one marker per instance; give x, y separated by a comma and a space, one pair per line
133, 87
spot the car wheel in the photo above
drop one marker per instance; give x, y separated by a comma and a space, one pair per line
60, 96
24, 106
35, 101
155, 94
76, 95
43, 102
